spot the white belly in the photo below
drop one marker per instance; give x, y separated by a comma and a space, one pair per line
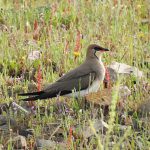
93, 88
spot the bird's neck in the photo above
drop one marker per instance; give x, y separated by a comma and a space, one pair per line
99, 58
101, 63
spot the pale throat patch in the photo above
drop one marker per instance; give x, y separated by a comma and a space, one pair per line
98, 54
102, 66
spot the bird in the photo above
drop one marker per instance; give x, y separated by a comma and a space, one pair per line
84, 79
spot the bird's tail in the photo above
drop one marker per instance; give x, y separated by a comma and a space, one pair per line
38, 96
34, 98
30, 94
43, 95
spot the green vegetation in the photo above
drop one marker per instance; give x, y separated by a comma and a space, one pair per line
61, 31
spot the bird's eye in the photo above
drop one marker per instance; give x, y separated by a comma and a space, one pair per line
97, 48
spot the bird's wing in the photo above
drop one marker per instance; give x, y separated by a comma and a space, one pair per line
76, 73
73, 79
79, 83
65, 86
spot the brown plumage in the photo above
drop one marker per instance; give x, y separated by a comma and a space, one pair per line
82, 80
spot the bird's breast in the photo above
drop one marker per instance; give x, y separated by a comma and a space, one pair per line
101, 72
94, 86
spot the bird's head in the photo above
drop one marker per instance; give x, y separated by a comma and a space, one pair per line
95, 51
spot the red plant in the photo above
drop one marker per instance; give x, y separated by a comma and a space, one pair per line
70, 138
36, 33
35, 25
115, 2
107, 78
77, 45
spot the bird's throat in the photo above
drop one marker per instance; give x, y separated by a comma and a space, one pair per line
96, 55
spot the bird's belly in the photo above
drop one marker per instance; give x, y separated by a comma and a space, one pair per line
93, 88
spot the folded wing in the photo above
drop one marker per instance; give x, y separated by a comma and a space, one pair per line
76, 79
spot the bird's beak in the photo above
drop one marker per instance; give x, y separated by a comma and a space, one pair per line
105, 49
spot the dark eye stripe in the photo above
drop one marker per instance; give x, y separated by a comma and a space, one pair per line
97, 48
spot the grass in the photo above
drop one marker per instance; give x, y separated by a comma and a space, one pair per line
117, 25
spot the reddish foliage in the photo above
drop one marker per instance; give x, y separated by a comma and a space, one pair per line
115, 2
107, 77
70, 138
35, 25
36, 33
78, 44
